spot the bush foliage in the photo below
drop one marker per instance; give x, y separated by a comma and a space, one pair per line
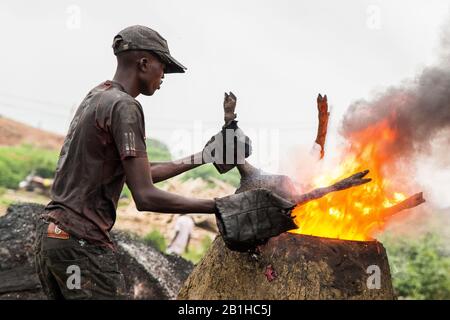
420, 267
17, 162
156, 240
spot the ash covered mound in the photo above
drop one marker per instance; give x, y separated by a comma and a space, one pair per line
149, 274
290, 266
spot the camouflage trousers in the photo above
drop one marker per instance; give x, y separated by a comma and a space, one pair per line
73, 269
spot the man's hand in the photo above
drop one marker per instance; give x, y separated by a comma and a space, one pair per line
249, 218
227, 148
230, 146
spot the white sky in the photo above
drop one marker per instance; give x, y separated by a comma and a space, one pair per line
276, 56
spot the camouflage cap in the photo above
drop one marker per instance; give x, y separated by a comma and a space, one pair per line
143, 38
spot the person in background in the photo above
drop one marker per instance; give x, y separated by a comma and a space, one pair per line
184, 226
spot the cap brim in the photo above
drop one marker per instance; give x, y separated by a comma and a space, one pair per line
173, 66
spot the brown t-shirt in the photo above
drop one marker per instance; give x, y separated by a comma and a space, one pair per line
107, 128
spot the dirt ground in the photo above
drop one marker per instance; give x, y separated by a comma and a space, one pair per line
15, 133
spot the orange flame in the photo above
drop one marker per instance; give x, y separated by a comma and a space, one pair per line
356, 213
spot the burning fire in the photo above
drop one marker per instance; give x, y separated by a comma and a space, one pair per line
356, 213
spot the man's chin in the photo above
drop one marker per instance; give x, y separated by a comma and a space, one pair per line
148, 93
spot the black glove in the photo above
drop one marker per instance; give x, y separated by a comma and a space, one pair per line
227, 148
250, 218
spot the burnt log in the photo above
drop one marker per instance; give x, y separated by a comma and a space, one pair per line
149, 274
322, 108
411, 202
290, 266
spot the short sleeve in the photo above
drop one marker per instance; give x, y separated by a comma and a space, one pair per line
128, 130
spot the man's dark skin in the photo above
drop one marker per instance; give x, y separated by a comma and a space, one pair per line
141, 72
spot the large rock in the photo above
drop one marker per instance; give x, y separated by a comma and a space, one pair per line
149, 274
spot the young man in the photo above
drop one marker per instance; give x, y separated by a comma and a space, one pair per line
104, 147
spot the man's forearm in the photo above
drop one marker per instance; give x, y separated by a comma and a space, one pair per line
157, 200
164, 170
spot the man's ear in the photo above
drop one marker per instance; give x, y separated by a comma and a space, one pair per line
143, 64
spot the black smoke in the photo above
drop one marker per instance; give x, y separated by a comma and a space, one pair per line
419, 111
